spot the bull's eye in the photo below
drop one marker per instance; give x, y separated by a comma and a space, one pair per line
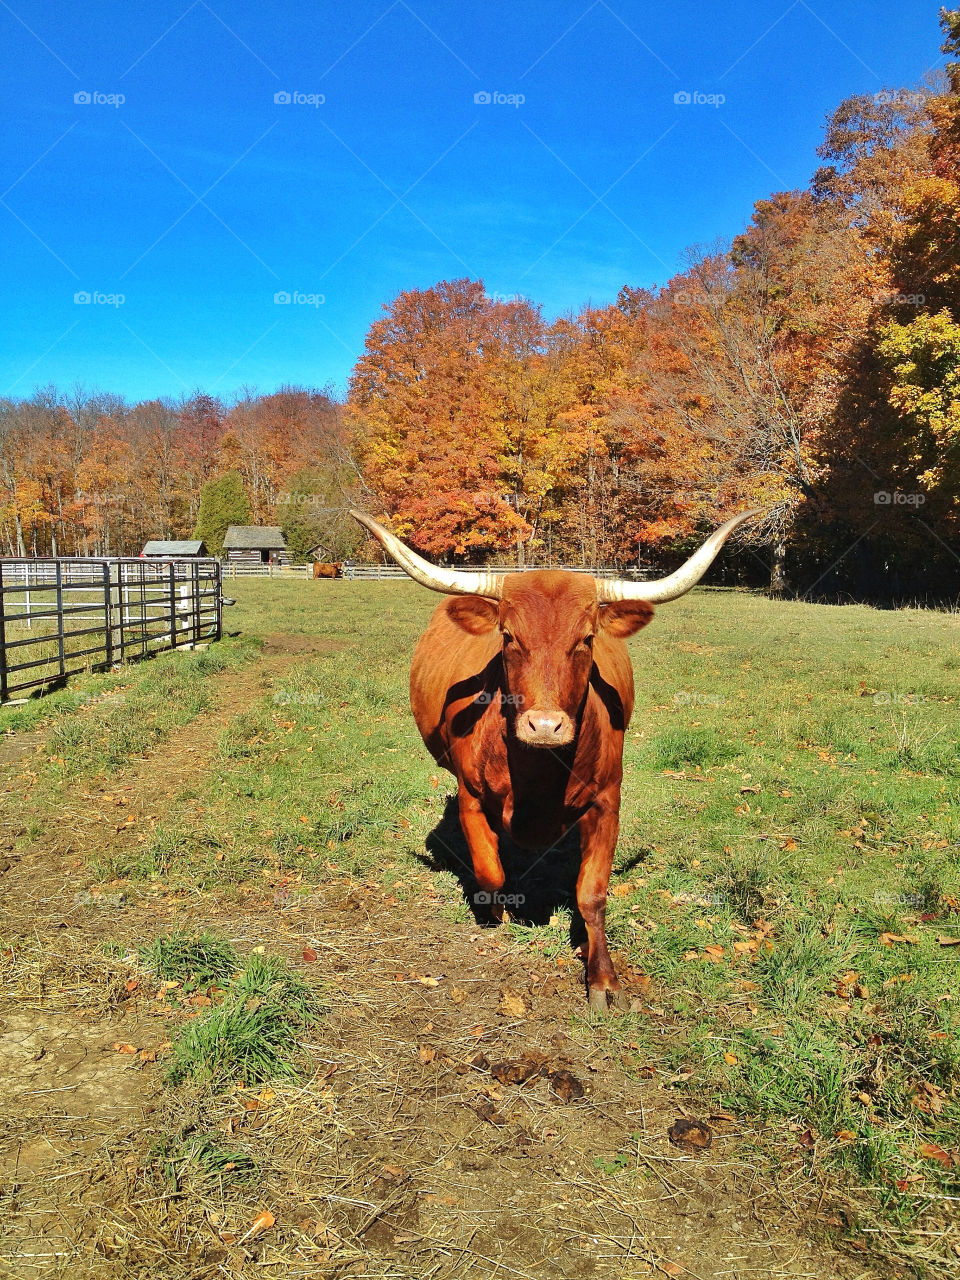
507, 638
588, 641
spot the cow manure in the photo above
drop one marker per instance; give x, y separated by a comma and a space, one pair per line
519, 1071
487, 1111
565, 1086
691, 1135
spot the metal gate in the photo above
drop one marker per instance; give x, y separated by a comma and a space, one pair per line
60, 616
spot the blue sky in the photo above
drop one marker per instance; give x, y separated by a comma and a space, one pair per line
200, 197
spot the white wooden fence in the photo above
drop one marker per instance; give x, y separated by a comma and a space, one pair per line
387, 572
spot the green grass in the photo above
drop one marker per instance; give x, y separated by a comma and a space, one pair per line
252, 1035
98, 723
200, 1159
195, 962
792, 784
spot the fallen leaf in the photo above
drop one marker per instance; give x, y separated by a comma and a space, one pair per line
429, 982
948, 942
722, 1122
731, 1059
427, 1054
263, 1222
309, 955
930, 1151
124, 1048
512, 1005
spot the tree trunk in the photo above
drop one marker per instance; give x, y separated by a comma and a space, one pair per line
778, 577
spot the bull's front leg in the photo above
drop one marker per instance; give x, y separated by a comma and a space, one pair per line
599, 828
482, 842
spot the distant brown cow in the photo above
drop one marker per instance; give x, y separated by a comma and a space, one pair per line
327, 570
522, 687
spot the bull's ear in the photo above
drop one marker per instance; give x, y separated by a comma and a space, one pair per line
473, 613
625, 617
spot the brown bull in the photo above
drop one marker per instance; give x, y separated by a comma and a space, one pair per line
327, 570
522, 687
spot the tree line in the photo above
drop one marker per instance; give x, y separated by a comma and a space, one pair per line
811, 368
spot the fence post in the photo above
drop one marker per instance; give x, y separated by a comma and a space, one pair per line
173, 605
195, 582
60, 620
218, 597
3, 638
121, 619
107, 616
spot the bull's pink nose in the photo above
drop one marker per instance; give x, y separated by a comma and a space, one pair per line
545, 728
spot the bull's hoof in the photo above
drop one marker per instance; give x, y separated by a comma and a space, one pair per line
603, 1001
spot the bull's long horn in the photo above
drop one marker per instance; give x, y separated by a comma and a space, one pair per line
678, 583
452, 582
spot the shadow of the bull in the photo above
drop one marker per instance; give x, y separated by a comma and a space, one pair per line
537, 883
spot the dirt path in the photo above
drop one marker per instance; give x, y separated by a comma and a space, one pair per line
410, 1153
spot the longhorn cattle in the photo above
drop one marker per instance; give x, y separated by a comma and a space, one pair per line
327, 570
522, 687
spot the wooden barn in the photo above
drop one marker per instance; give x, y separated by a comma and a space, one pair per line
166, 549
255, 544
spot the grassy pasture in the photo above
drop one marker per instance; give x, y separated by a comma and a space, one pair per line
787, 888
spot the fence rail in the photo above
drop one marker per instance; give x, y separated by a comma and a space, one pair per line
386, 572
60, 616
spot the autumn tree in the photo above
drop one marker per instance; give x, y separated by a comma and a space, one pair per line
428, 433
